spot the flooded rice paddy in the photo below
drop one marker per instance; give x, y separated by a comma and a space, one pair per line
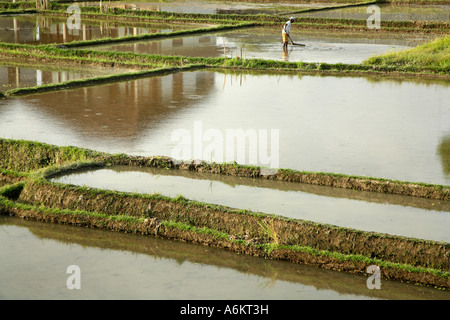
388, 13
386, 128
40, 29
13, 76
208, 7
35, 257
265, 43
370, 126
389, 214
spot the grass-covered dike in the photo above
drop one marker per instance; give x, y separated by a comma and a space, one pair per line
433, 56
27, 192
431, 60
27, 166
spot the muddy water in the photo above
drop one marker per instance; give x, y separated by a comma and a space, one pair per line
14, 76
388, 13
207, 7
41, 29
35, 257
265, 43
383, 216
395, 129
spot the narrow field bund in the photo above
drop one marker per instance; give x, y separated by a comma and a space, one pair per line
258, 19
71, 54
27, 156
26, 166
96, 81
118, 14
158, 35
27, 193
158, 63
355, 264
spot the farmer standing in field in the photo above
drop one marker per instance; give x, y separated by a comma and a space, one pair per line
286, 31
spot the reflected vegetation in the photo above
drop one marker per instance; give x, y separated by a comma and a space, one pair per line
13, 75
207, 7
370, 128
359, 210
41, 29
388, 13
444, 152
234, 182
123, 110
142, 260
265, 43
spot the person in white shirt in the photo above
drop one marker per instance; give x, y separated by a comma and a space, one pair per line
286, 31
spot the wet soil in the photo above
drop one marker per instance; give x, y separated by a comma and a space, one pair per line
140, 260
209, 240
233, 222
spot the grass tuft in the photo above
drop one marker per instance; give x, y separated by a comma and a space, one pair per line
433, 56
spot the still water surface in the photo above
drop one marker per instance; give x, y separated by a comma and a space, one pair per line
395, 215
40, 29
207, 6
387, 13
35, 257
395, 129
265, 43
13, 76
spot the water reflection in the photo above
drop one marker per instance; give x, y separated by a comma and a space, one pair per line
40, 29
125, 266
206, 7
345, 125
235, 182
384, 215
388, 13
265, 43
14, 76
122, 111
444, 152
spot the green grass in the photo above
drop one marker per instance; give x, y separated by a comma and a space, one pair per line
12, 190
268, 228
20, 5
366, 260
257, 19
18, 11
32, 154
149, 36
431, 59
187, 227
433, 56
13, 173
418, 2
49, 211
132, 221
28, 156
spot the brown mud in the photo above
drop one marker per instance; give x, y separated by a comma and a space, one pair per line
330, 247
26, 156
323, 179
239, 224
71, 62
6, 178
155, 229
